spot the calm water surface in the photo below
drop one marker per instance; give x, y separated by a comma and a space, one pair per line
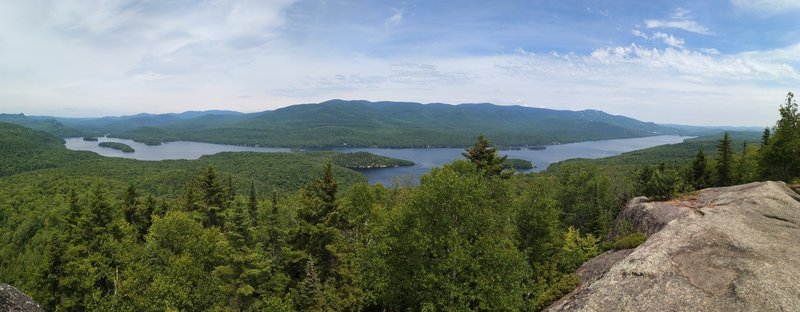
425, 158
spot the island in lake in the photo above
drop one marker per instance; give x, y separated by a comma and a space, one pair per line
365, 160
90, 139
125, 148
519, 164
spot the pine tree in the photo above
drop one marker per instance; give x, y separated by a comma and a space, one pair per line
724, 160
765, 137
484, 157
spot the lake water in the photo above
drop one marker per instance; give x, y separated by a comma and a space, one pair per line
425, 158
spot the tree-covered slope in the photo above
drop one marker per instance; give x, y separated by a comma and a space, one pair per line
46, 124
399, 124
671, 154
31, 153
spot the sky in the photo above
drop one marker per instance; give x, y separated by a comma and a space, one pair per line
718, 62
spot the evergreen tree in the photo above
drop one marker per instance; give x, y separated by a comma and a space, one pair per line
246, 265
252, 205
724, 161
129, 204
778, 159
484, 156
317, 229
213, 199
311, 297
765, 136
698, 176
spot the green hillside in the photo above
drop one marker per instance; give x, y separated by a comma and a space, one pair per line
670, 154
396, 124
32, 153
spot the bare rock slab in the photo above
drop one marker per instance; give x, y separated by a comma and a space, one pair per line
721, 249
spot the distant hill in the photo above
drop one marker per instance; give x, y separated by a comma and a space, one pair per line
398, 124
670, 154
337, 123
46, 124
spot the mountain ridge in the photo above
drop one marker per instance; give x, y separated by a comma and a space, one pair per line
336, 123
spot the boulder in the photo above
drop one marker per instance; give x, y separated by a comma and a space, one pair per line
13, 300
721, 249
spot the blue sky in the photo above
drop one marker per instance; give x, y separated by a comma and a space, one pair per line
724, 62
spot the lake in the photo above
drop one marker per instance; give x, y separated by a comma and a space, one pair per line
425, 158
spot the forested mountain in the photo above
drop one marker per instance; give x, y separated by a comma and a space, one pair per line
363, 123
396, 124
46, 124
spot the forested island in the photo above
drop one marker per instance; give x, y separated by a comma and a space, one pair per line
125, 148
90, 139
365, 160
299, 232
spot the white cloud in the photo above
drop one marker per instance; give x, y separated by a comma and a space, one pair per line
768, 6
679, 19
640, 34
669, 40
395, 19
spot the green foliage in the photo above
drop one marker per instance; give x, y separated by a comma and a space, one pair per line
698, 176
577, 249
518, 164
659, 183
587, 199
629, 241
485, 158
125, 148
115, 234
454, 232
778, 159
724, 162
562, 286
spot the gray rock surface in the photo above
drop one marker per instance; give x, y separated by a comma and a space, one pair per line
721, 249
13, 300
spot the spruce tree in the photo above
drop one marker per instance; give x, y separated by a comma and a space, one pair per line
213, 199
724, 160
252, 205
484, 156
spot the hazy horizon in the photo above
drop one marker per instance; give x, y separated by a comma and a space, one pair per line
714, 63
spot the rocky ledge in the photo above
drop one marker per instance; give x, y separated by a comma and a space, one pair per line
13, 300
721, 249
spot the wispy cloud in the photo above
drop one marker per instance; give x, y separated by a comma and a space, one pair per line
669, 40
768, 6
678, 19
395, 19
